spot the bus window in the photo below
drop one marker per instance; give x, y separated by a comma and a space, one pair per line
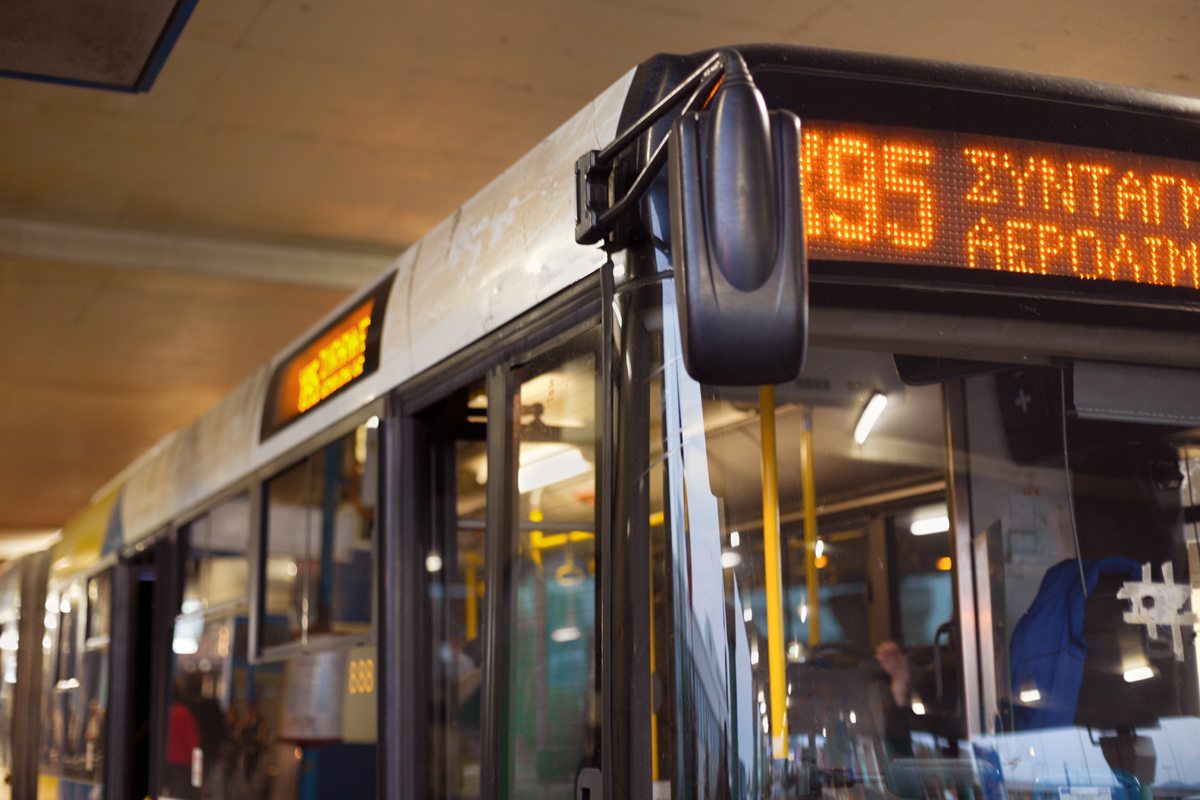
1087, 554
289, 530
320, 541
1016, 620
99, 592
215, 567
921, 563
309, 726
95, 677
77, 695
68, 702
456, 432
816, 627
550, 726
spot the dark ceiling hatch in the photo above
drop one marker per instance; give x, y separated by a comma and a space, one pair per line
104, 44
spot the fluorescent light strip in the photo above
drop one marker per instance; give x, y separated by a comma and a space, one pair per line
553, 464
870, 415
928, 525
1142, 673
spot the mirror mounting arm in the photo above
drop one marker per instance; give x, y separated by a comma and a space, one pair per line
597, 211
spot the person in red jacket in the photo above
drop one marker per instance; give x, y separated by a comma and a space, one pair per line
183, 739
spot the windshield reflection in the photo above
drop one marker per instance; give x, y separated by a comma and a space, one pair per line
837, 647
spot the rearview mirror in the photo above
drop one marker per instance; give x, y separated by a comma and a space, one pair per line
737, 237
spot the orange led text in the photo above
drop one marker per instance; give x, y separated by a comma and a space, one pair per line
975, 202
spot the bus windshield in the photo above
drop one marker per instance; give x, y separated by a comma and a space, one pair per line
907, 576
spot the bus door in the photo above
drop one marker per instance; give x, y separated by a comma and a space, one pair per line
451, 474
141, 589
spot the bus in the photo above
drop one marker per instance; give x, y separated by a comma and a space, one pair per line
850, 455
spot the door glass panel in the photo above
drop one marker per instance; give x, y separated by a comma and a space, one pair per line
455, 565
551, 723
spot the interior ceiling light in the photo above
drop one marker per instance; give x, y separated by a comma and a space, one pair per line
927, 525
185, 645
546, 464
869, 416
730, 559
567, 633
1142, 673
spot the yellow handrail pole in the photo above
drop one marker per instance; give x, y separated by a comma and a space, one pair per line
809, 489
472, 601
653, 662
776, 665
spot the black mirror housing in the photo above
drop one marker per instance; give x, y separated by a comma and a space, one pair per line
737, 237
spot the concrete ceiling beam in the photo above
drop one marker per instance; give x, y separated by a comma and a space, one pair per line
342, 267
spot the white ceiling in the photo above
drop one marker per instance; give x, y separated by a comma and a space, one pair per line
346, 129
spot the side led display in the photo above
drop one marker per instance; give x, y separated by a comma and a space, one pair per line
883, 194
343, 352
329, 363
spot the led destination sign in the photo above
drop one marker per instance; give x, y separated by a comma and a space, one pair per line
343, 352
956, 200
332, 361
